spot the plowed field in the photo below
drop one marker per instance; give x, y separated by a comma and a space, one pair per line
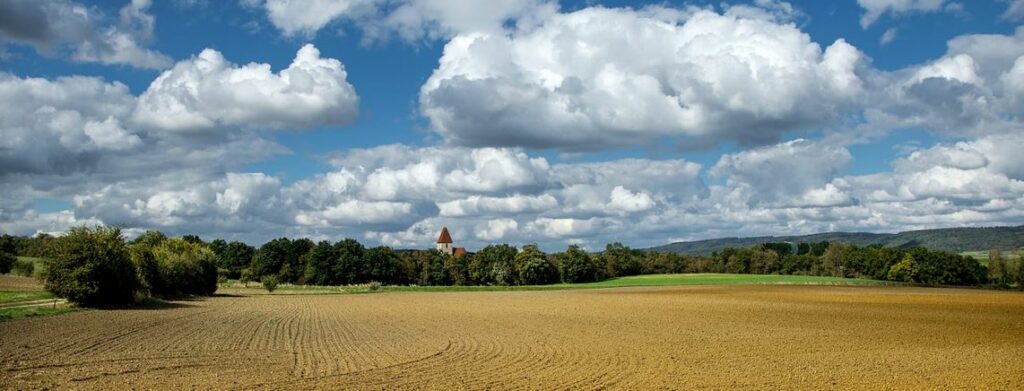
19, 284
765, 337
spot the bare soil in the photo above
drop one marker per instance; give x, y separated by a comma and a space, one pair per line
719, 337
9, 282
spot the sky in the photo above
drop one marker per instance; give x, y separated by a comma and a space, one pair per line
510, 121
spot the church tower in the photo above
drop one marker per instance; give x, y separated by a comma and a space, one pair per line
444, 242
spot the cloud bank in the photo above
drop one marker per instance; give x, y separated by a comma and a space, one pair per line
57, 25
601, 78
521, 80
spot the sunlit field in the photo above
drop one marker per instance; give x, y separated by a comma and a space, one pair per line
717, 336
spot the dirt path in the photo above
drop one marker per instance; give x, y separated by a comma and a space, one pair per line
765, 337
34, 303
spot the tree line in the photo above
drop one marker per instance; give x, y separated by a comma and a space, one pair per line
97, 266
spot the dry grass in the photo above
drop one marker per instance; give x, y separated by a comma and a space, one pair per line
765, 337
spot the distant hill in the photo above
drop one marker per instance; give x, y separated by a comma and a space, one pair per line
947, 239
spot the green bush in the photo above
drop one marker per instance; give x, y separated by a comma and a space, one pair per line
92, 267
222, 276
7, 262
175, 267
246, 276
269, 283
23, 268
150, 277
187, 268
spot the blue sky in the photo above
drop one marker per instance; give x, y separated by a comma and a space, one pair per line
835, 127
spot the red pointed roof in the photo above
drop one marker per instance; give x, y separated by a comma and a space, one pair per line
445, 237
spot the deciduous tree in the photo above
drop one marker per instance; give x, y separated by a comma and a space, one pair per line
533, 267
92, 267
575, 265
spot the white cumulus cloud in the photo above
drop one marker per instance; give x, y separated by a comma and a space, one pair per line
598, 78
61, 125
496, 229
782, 172
207, 92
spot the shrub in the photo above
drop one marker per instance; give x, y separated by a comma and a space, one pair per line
187, 268
269, 283
6, 262
23, 268
222, 276
92, 267
150, 277
374, 286
246, 276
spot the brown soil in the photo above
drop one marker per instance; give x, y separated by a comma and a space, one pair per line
18, 283
764, 337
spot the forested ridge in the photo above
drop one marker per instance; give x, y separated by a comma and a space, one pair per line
945, 239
